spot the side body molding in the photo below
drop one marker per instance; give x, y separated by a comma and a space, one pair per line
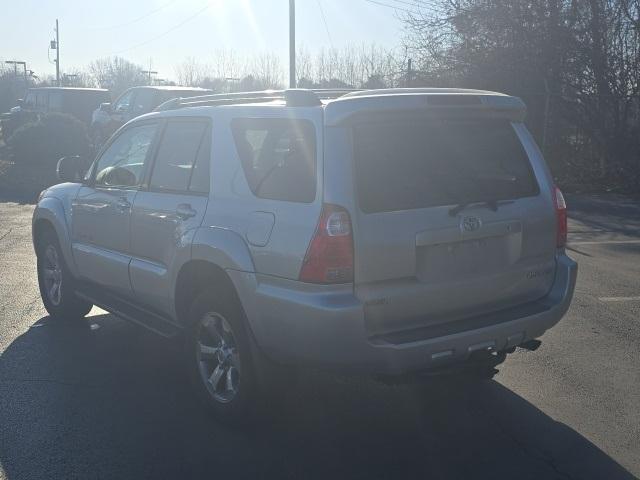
53, 211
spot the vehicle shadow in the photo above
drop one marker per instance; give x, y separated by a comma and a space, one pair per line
105, 400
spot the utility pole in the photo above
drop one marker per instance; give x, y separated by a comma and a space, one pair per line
57, 53
149, 73
409, 80
292, 43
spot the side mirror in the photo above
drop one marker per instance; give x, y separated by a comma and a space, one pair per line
105, 107
20, 102
71, 169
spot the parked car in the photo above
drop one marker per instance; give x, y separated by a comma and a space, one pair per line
383, 232
132, 103
79, 102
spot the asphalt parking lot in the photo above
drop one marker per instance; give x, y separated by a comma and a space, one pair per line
109, 401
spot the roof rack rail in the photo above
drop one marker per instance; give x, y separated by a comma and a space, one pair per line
294, 97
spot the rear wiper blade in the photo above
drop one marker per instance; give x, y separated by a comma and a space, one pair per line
491, 204
497, 177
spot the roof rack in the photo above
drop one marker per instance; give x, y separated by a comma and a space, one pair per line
294, 97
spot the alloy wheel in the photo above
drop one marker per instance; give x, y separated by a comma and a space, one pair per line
218, 358
52, 275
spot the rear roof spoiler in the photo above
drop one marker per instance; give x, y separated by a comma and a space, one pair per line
457, 102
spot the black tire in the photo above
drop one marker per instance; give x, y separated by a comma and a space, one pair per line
217, 321
65, 304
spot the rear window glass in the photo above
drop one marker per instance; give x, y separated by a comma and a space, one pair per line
278, 157
403, 165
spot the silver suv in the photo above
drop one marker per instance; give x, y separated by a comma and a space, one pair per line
385, 232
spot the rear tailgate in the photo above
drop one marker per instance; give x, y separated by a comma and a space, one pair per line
448, 220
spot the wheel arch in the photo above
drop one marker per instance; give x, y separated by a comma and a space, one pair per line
50, 215
195, 276
214, 252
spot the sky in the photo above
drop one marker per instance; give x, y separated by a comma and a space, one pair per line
165, 32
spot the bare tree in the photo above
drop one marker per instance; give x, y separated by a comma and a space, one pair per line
192, 73
576, 64
268, 71
116, 74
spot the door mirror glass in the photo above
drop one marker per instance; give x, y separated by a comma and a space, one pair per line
71, 169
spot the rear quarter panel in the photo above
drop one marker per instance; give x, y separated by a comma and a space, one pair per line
233, 205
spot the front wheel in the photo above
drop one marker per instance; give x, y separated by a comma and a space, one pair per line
56, 282
97, 139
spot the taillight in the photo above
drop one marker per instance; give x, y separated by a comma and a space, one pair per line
561, 215
329, 258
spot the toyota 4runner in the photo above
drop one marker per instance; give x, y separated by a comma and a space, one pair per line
384, 232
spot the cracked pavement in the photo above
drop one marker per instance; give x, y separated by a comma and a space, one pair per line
104, 399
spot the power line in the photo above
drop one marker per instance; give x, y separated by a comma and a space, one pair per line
166, 32
324, 19
135, 20
419, 6
395, 7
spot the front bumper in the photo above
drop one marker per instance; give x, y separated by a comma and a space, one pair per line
295, 323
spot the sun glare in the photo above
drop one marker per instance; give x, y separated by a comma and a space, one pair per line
253, 23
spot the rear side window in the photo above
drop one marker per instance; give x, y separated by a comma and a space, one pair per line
42, 100
278, 157
403, 165
55, 101
144, 100
177, 153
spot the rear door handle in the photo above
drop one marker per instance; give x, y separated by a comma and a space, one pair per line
123, 205
185, 212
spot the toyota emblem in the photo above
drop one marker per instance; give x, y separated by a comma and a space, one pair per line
470, 224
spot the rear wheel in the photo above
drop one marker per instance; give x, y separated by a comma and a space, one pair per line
56, 282
218, 354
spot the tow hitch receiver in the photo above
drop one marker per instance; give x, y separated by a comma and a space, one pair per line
531, 345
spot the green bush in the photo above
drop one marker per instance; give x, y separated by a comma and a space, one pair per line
49, 138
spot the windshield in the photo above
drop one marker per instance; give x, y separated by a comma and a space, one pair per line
411, 164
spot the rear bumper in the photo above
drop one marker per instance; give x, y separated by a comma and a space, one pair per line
301, 324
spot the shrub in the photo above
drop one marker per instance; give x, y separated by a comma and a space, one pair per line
48, 138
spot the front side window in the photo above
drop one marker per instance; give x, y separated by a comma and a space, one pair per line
178, 152
123, 104
122, 163
278, 157
30, 100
